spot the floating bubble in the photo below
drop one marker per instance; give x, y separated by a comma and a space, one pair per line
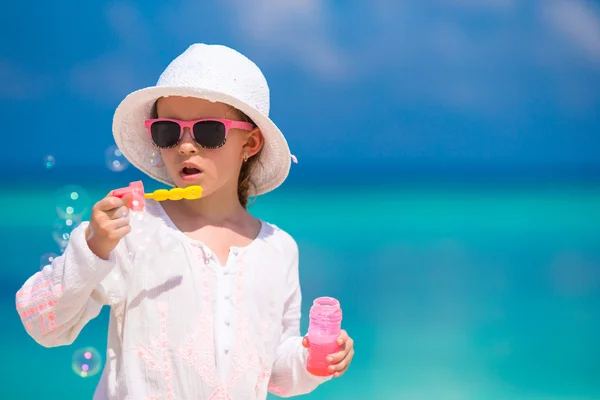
155, 160
72, 202
49, 161
144, 250
87, 362
46, 259
115, 160
61, 231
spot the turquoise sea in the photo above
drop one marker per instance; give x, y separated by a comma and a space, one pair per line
451, 292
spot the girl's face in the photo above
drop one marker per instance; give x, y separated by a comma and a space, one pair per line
213, 169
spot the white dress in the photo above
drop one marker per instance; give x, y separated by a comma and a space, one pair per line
181, 325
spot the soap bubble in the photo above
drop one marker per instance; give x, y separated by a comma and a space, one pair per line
49, 161
61, 231
144, 249
154, 159
72, 202
115, 160
46, 259
87, 362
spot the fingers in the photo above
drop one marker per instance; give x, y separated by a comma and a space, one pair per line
119, 212
337, 357
120, 232
342, 372
109, 203
113, 229
340, 368
343, 338
341, 360
118, 223
109, 223
346, 344
113, 207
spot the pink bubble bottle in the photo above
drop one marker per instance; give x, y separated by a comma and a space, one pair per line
323, 331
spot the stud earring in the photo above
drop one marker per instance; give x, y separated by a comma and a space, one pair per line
245, 156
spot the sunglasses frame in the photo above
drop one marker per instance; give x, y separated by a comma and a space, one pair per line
229, 124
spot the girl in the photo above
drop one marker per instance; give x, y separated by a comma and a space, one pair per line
205, 299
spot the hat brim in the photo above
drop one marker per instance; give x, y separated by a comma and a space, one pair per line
134, 142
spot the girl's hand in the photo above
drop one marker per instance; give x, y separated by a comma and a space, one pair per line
108, 224
341, 360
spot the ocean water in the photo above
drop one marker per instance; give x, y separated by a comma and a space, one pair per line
451, 292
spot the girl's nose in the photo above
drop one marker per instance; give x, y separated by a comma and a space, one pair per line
187, 145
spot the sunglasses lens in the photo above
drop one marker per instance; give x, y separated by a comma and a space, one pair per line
209, 134
165, 133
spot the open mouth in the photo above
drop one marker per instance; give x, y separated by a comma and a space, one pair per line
190, 173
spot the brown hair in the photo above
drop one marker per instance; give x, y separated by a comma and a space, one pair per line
245, 182
245, 179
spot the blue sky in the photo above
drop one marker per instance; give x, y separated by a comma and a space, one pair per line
431, 84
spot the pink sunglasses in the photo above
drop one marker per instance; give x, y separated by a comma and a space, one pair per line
208, 133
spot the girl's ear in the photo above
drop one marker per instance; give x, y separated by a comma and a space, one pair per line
254, 142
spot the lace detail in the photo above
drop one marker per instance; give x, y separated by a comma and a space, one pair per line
199, 351
155, 363
260, 388
35, 304
264, 376
245, 356
220, 394
276, 390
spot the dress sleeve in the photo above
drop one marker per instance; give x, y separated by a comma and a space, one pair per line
57, 302
289, 376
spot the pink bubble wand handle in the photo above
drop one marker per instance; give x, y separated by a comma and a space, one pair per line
323, 331
133, 195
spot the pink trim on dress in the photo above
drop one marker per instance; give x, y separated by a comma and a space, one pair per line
199, 350
161, 345
34, 302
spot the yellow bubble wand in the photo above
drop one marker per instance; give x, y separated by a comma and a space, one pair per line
135, 196
188, 193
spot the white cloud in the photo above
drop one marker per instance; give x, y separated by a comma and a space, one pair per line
579, 21
432, 53
436, 53
269, 31
296, 31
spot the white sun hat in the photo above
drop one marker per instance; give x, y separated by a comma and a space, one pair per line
215, 73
